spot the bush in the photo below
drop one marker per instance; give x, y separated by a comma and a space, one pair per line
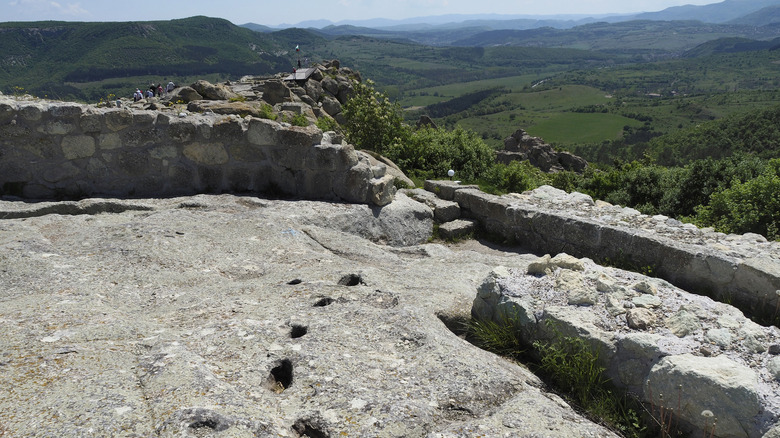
749, 206
431, 152
372, 121
299, 120
328, 124
267, 112
517, 176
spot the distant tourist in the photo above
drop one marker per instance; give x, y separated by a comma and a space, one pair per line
159, 90
170, 87
149, 93
137, 95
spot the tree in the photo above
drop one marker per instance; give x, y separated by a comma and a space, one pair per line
372, 121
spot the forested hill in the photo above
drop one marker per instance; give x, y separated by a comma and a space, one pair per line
756, 133
54, 58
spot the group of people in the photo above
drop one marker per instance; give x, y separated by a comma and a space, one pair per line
153, 91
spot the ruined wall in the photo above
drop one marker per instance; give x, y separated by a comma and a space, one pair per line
743, 270
60, 150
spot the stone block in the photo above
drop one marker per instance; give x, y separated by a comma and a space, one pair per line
7, 112
445, 189
247, 152
32, 113
332, 157
183, 131
206, 153
57, 127
382, 190
78, 146
262, 132
109, 141
66, 110
457, 228
118, 119
91, 122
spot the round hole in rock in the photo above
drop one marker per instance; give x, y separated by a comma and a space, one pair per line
312, 427
325, 301
205, 424
281, 376
350, 280
297, 330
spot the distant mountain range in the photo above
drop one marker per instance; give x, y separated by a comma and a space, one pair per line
89, 60
745, 12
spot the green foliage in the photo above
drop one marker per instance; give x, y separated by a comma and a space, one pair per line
267, 112
372, 121
749, 206
299, 120
569, 365
517, 176
431, 152
70, 60
572, 366
328, 124
501, 338
755, 132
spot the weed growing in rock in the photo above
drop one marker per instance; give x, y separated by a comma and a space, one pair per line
299, 120
267, 112
328, 124
502, 339
571, 368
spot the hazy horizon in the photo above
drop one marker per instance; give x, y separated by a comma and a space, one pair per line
281, 13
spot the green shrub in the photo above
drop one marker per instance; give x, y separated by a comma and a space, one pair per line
749, 206
372, 121
517, 177
267, 112
431, 152
299, 120
328, 124
572, 366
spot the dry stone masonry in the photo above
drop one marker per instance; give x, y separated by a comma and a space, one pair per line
56, 150
740, 269
696, 357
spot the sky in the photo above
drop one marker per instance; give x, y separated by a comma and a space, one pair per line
295, 11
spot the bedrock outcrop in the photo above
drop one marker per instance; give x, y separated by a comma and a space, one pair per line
237, 316
676, 350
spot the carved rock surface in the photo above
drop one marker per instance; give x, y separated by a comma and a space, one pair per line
641, 348
226, 316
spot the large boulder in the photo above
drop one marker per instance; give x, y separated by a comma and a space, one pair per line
520, 147
184, 94
275, 91
214, 91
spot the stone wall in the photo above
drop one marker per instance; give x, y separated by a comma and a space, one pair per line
741, 270
60, 150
